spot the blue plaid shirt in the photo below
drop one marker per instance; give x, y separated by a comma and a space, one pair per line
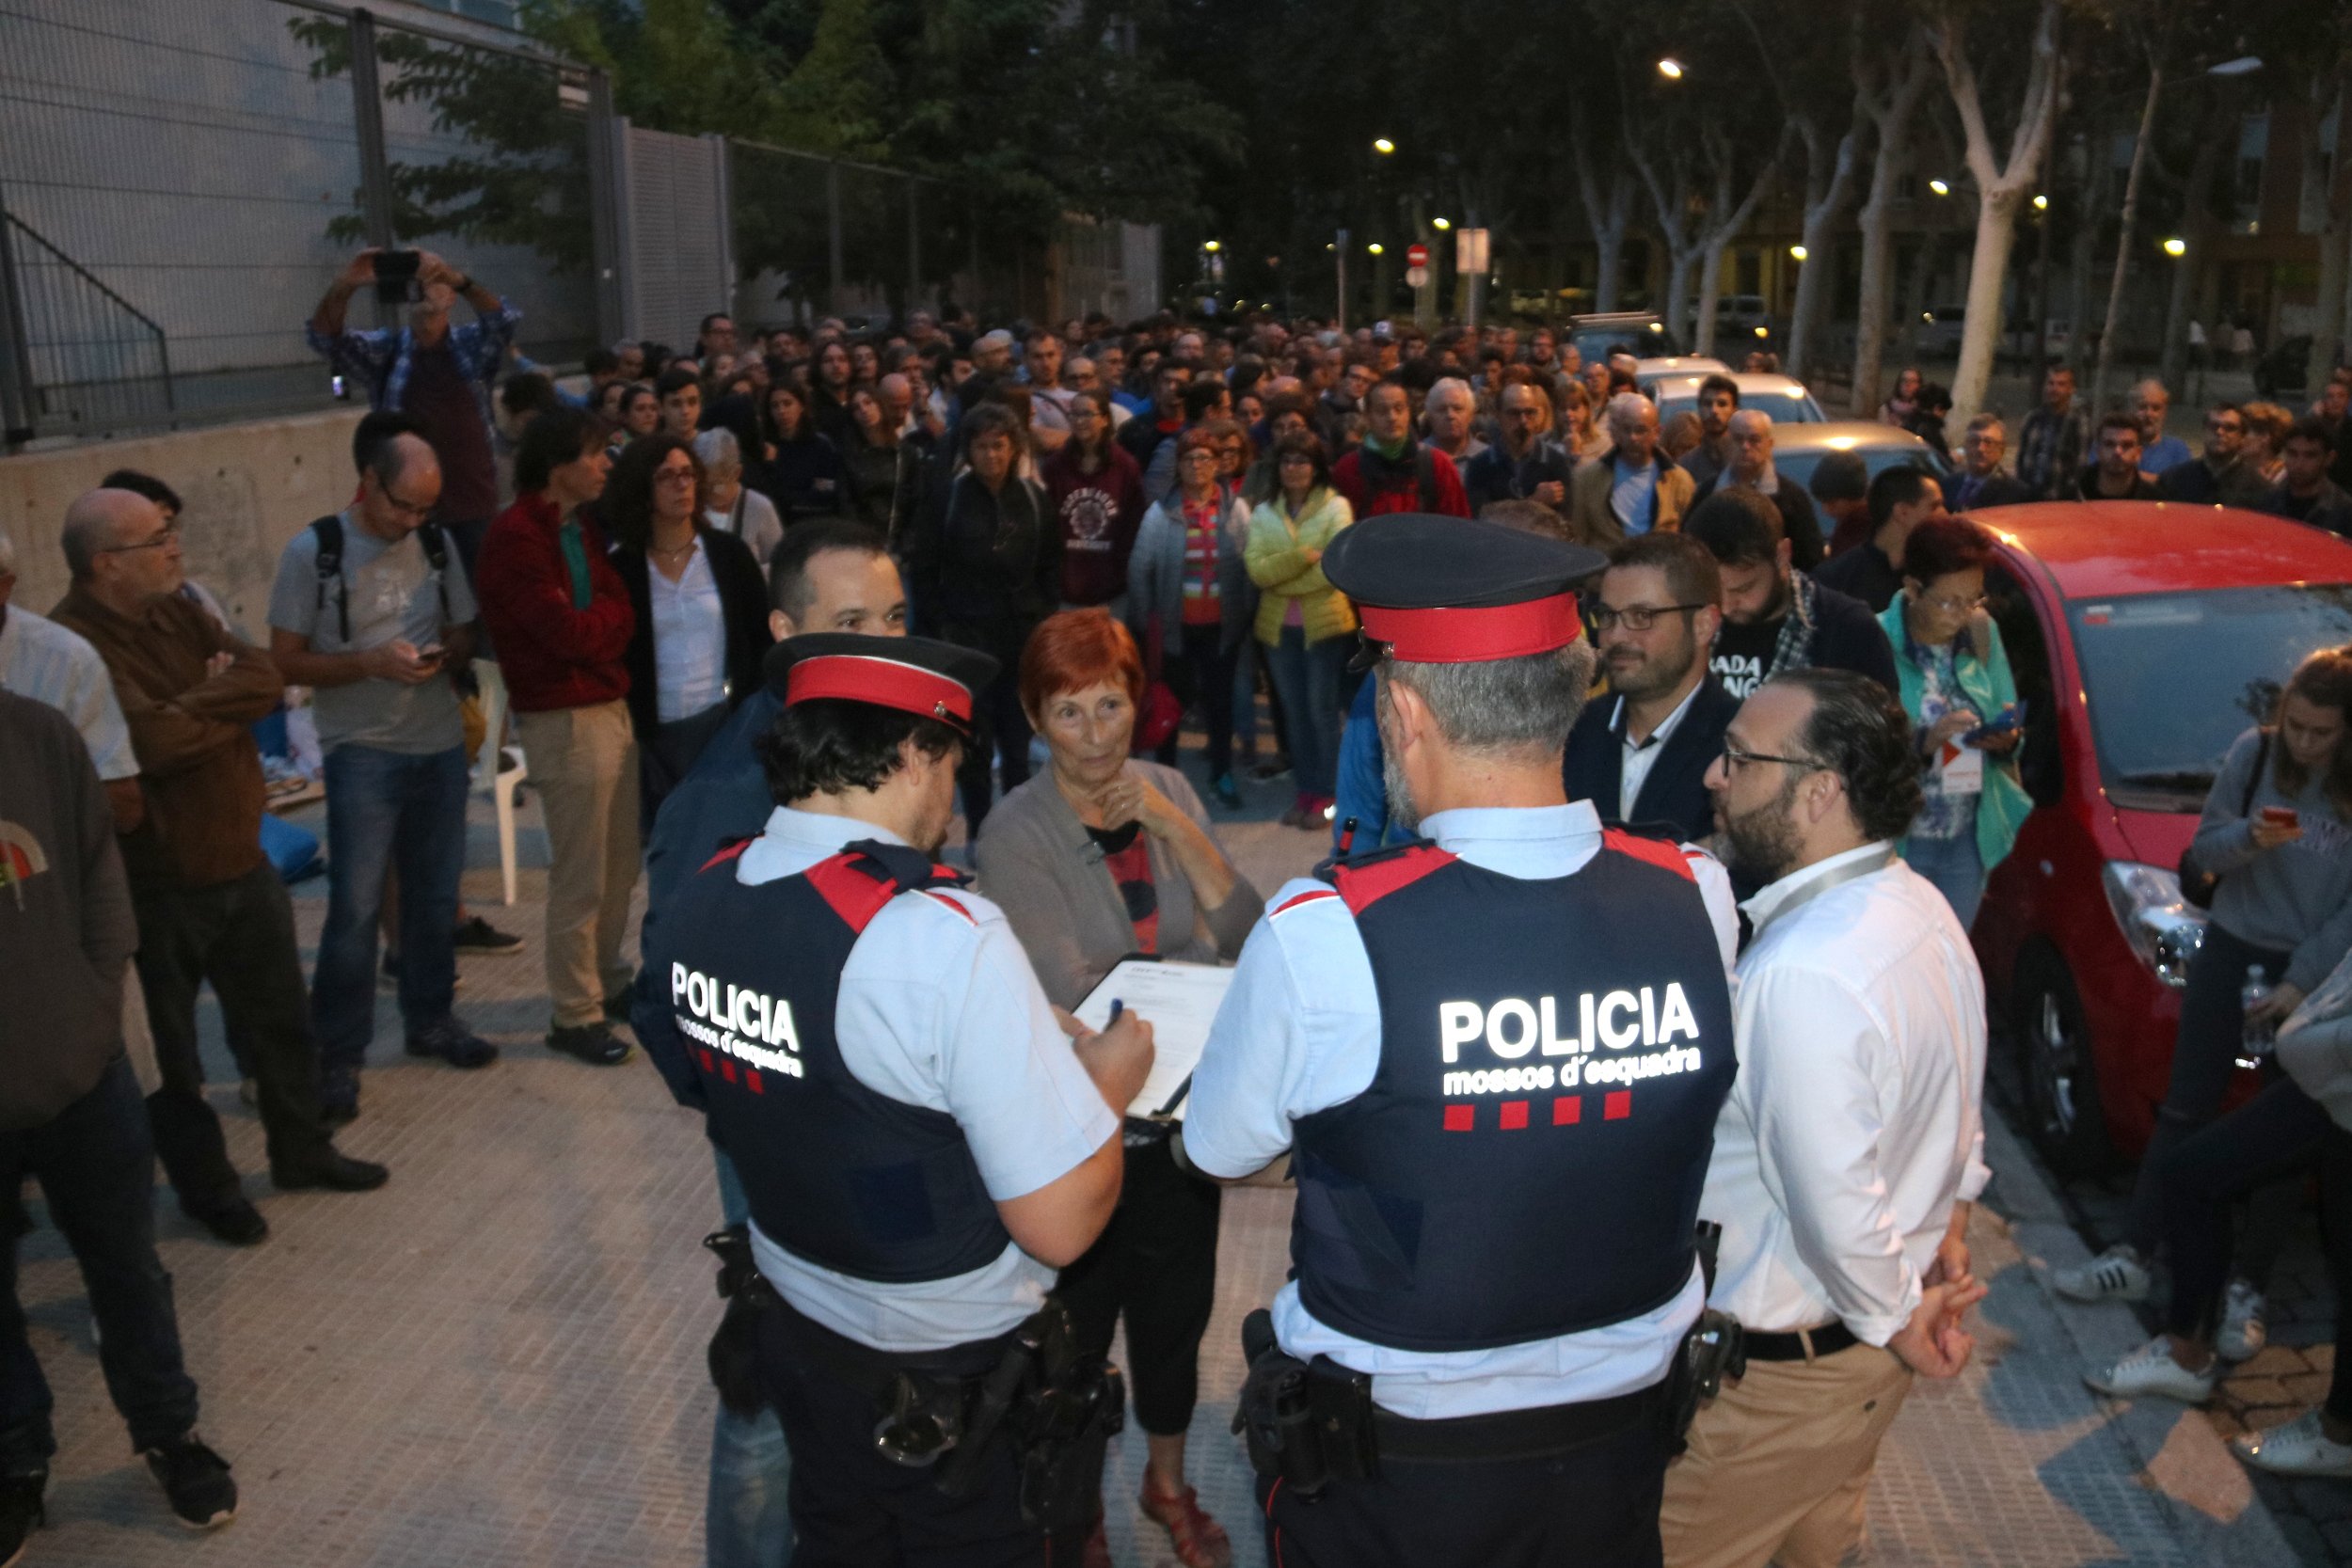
380, 361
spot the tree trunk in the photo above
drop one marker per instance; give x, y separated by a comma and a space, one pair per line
2323, 177
1677, 289
2082, 253
1825, 204
2111, 323
2001, 187
2195, 202
1710, 282
1891, 113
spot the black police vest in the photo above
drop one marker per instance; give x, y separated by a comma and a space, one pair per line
836, 1174
1528, 1159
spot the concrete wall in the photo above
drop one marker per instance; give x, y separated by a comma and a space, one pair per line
249, 488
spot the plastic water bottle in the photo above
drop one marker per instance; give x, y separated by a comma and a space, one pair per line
2257, 1041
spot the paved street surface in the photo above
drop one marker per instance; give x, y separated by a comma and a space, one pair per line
499, 1358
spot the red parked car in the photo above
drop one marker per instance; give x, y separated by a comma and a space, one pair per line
2146, 636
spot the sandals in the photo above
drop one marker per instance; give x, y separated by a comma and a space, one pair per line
1200, 1541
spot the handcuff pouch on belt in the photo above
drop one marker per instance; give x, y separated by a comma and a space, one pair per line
1708, 1354
1309, 1423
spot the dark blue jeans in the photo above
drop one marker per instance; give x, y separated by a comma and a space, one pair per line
386, 809
97, 1168
1307, 676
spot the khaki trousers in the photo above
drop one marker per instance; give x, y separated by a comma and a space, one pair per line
1780, 1462
583, 764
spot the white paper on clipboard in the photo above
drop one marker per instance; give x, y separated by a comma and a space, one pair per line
1180, 1002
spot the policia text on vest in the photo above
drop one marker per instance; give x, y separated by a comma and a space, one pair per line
747, 1024
1618, 1020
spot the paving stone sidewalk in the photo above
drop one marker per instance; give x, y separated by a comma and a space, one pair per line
497, 1359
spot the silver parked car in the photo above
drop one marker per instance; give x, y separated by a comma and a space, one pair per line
1782, 397
1798, 450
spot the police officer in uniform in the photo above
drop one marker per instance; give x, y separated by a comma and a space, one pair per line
921, 1146
1495, 1052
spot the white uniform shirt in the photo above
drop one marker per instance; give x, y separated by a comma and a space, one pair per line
48, 663
689, 638
938, 1008
1856, 1118
1300, 1031
1639, 756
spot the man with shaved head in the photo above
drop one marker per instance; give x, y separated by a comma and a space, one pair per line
1748, 461
372, 610
210, 904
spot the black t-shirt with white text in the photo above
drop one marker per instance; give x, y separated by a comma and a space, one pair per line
1743, 654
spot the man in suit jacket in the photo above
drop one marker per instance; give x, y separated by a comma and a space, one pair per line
1641, 760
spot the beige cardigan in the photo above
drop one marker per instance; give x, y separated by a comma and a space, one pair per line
1039, 865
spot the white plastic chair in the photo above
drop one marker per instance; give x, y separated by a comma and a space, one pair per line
492, 774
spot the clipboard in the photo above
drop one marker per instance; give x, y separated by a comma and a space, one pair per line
1180, 1001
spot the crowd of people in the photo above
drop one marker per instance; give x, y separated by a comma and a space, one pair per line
1503, 631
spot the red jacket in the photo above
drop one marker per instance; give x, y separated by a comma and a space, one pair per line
1374, 485
551, 654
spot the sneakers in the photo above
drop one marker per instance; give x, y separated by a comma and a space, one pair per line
2119, 1273
593, 1043
197, 1481
2300, 1448
616, 1006
453, 1043
477, 935
2244, 1330
21, 1513
2151, 1370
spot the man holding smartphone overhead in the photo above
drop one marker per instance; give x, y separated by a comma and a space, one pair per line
372, 610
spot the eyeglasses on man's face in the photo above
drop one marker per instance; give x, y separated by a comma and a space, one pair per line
169, 535
1737, 756
1635, 617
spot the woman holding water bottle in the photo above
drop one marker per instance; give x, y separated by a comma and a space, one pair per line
2277, 830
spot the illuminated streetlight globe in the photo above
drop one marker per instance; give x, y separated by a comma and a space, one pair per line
1212, 246
1799, 252
1382, 144
2041, 203
1670, 69
1939, 188
2176, 246
1373, 248
1442, 223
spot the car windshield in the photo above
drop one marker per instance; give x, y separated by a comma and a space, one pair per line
2174, 678
1599, 342
1785, 407
1799, 466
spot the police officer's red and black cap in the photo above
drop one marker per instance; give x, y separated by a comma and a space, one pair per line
913, 675
1459, 591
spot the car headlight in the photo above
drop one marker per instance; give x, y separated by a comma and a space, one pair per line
2159, 923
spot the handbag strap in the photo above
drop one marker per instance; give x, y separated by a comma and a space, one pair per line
2254, 780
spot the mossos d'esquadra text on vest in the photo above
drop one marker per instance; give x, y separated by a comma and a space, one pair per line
1652, 1018
745, 1023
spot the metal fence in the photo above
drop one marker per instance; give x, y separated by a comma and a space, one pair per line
180, 184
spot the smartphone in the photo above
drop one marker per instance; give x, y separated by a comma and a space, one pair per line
396, 276
2009, 719
2280, 817
431, 653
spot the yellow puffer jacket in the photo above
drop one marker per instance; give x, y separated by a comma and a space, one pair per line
1278, 563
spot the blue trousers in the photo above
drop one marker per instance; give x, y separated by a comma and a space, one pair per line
748, 1520
387, 809
1307, 676
97, 1167
1955, 869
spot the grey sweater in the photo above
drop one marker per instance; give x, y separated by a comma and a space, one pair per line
2296, 899
67, 931
1038, 863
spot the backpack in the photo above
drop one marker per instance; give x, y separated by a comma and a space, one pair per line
330, 532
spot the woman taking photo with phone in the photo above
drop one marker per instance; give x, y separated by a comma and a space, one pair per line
1963, 702
2276, 831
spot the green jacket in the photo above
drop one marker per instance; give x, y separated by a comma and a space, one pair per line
1277, 563
1989, 688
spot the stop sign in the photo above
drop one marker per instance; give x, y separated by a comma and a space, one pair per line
1416, 255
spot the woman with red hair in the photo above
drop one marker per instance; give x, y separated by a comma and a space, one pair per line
1103, 856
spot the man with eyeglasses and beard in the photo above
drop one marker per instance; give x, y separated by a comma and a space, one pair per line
2219, 475
1850, 1147
1643, 759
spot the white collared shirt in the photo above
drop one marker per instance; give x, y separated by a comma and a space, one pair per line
938, 1008
49, 663
1299, 1031
1856, 1119
689, 638
1639, 756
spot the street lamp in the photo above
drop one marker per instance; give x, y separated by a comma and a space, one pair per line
1373, 248
1213, 248
1382, 145
1670, 69
2245, 65
2041, 203
2176, 246
1939, 188
1799, 252
1442, 224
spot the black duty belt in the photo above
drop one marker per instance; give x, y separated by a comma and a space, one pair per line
1514, 1434
1805, 1344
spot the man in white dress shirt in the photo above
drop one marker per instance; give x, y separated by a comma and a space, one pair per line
1499, 1052
1850, 1147
44, 662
